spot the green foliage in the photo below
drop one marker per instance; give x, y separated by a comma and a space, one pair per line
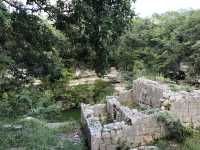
86, 93
181, 87
72, 146
192, 142
174, 126
23, 101
93, 27
32, 99
164, 144
30, 47
77, 94
101, 90
34, 135
161, 44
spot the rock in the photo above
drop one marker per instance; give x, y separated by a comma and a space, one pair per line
17, 127
146, 148
7, 126
57, 125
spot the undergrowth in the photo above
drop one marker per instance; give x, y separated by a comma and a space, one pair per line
35, 135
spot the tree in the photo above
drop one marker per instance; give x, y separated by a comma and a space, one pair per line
95, 25
91, 25
32, 46
161, 44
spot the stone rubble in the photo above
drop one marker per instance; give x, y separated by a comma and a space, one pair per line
184, 105
127, 127
146, 148
130, 128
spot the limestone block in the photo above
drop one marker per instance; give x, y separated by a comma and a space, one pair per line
146, 148
149, 92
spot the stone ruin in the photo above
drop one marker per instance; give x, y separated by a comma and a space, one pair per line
182, 104
117, 125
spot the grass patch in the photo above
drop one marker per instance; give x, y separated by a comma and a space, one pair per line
62, 116
192, 142
86, 93
181, 87
35, 135
154, 77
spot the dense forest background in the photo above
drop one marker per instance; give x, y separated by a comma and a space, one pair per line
88, 36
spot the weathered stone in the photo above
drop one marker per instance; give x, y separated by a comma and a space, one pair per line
184, 105
131, 127
146, 148
148, 92
57, 125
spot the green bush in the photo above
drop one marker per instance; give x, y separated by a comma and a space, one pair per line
87, 93
35, 135
174, 126
23, 101
192, 142
31, 99
101, 90
183, 87
71, 146
41, 99
163, 144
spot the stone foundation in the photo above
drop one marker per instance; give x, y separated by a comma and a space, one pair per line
184, 105
128, 127
112, 126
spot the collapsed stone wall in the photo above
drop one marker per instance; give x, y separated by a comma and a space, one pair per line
148, 92
128, 127
184, 105
131, 127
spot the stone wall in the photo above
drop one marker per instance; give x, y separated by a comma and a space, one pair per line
129, 128
184, 105
148, 92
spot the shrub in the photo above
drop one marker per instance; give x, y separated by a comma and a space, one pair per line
183, 87
101, 90
71, 146
163, 145
41, 99
174, 126
77, 94
86, 93
35, 135
192, 142
26, 101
